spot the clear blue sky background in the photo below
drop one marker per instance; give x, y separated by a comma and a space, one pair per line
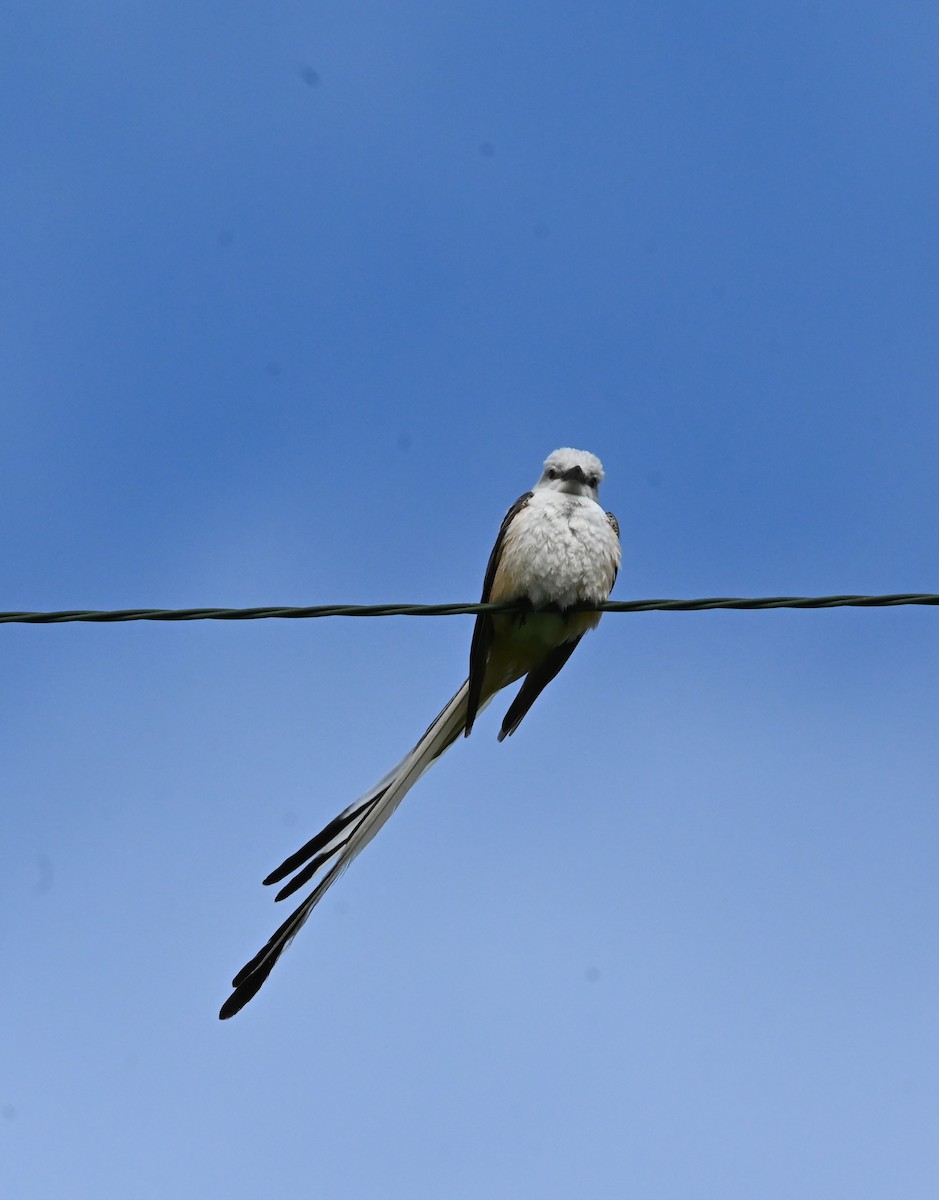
295, 299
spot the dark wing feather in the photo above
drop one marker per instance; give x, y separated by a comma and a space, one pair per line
483, 630
536, 681
614, 525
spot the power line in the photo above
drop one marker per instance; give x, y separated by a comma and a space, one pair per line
706, 604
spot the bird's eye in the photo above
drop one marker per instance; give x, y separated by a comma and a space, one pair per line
592, 480
552, 474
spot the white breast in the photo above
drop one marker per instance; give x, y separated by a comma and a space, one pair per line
559, 550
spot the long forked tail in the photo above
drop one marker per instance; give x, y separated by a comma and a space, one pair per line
335, 846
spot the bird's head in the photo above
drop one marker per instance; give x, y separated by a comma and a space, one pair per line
574, 472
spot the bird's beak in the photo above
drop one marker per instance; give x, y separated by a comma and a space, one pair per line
574, 475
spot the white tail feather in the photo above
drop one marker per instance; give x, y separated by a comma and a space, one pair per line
354, 829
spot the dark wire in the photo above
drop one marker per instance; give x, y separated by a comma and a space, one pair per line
452, 610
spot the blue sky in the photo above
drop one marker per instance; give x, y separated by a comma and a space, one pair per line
295, 301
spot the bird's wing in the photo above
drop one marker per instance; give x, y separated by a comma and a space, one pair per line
536, 681
483, 629
614, 525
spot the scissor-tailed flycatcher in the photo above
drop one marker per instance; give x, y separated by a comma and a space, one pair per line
557, 548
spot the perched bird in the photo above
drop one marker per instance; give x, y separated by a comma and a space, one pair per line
557, 550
